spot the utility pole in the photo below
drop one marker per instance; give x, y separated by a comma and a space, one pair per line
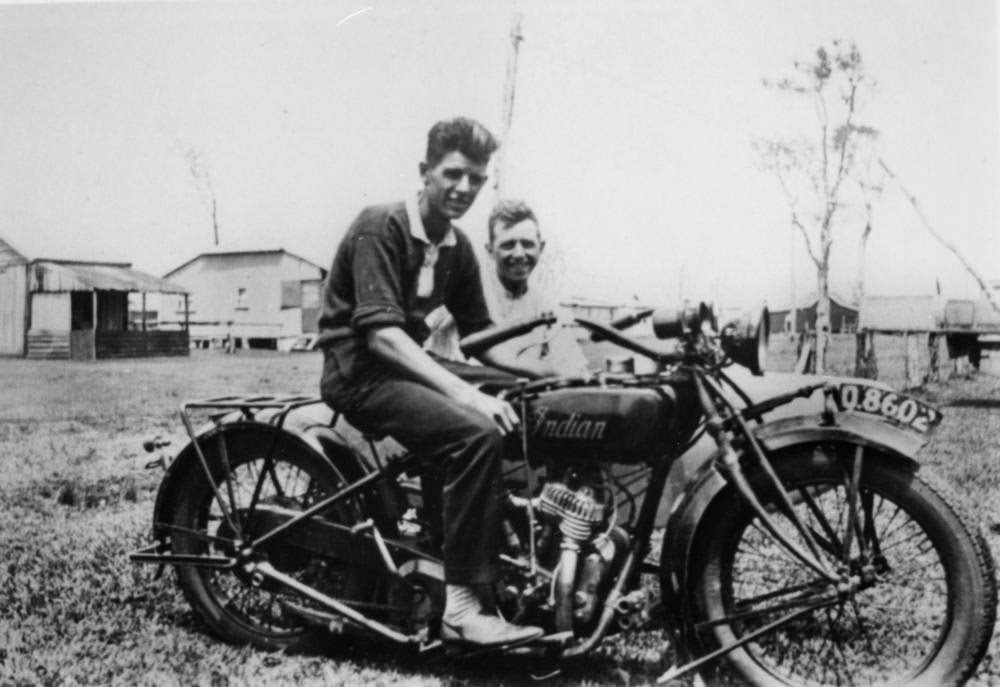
508, 99
793, 313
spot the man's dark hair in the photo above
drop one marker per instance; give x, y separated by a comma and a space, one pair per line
465, 135
509, 212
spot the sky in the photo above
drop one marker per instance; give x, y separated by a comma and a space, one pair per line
632, 133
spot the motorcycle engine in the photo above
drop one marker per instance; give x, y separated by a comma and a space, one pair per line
577, 511
575, 541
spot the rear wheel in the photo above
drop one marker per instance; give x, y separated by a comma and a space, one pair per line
227, 600
921, 601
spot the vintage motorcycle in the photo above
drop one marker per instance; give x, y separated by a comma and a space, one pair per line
804, 550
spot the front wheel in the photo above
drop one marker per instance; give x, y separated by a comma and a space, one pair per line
919, 601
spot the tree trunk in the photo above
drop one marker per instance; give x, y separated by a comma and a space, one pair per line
822, 319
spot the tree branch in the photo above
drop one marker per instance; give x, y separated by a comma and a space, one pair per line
940, 239
805, 234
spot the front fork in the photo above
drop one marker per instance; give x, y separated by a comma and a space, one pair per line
841, 582
728, 464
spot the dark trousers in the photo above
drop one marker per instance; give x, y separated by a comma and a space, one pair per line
465, 446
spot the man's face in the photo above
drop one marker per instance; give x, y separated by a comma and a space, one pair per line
516, 250
452, 184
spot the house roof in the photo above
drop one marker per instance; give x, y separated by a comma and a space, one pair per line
810, 300
239, 253
71, 275
9, 254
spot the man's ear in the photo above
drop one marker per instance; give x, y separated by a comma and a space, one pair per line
541, 246
423, 167
489, 248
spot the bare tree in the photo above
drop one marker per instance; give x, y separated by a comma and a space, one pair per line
813, 171
203, 183
870, 185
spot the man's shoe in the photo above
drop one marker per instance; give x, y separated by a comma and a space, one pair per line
479, 629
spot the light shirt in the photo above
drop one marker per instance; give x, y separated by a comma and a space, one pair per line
556, 345
425, 282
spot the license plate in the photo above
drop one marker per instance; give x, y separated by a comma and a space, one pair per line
890, 405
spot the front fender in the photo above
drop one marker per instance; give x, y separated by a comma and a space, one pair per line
776, 436
853, 428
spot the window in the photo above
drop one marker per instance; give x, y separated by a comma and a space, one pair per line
179, 310
241, 298
291, 294
310, 293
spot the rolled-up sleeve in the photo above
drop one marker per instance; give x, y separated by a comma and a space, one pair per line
377, 267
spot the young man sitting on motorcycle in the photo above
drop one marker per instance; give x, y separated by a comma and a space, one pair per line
396, 264
515, 246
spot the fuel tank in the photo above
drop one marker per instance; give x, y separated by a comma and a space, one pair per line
607, 424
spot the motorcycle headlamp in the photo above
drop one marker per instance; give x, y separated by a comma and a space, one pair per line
744, 339
671, 323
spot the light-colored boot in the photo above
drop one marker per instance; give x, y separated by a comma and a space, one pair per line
465, 623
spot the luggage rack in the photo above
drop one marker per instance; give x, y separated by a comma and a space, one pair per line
160, 551
251, 401
249, 405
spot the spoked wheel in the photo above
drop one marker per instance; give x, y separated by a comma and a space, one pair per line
236, 608
916, 598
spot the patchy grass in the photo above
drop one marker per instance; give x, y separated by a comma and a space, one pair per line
75, 498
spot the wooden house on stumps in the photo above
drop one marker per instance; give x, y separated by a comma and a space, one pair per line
82, 310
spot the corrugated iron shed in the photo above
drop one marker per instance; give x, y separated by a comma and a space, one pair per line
9, 255
60, 276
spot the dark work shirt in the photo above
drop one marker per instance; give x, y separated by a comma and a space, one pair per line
374, 281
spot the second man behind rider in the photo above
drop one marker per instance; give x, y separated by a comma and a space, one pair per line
514, 248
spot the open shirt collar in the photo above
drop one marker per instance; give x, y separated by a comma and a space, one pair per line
417, 230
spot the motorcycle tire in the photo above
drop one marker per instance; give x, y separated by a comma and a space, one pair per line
228, 601
926, 619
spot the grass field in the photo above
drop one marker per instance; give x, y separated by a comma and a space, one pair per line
75, 497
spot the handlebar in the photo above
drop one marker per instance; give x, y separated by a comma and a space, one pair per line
623, 322
627, 321
474, 344
606, 333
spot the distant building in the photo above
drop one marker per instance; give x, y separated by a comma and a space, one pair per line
13, 300
247, 298
930, 313
902, 313
843, 316
598, 311
80, 309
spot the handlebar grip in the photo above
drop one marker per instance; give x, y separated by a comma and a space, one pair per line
473, 344
619, 339
625, 322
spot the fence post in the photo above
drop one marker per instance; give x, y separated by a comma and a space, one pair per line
806, 362
913, 378
865, 360
933, 360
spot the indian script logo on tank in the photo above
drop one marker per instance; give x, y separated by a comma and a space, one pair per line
574, 426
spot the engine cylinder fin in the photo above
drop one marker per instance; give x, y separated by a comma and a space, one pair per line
577, 510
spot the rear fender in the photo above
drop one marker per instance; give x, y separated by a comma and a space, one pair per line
776, 437
322, 443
